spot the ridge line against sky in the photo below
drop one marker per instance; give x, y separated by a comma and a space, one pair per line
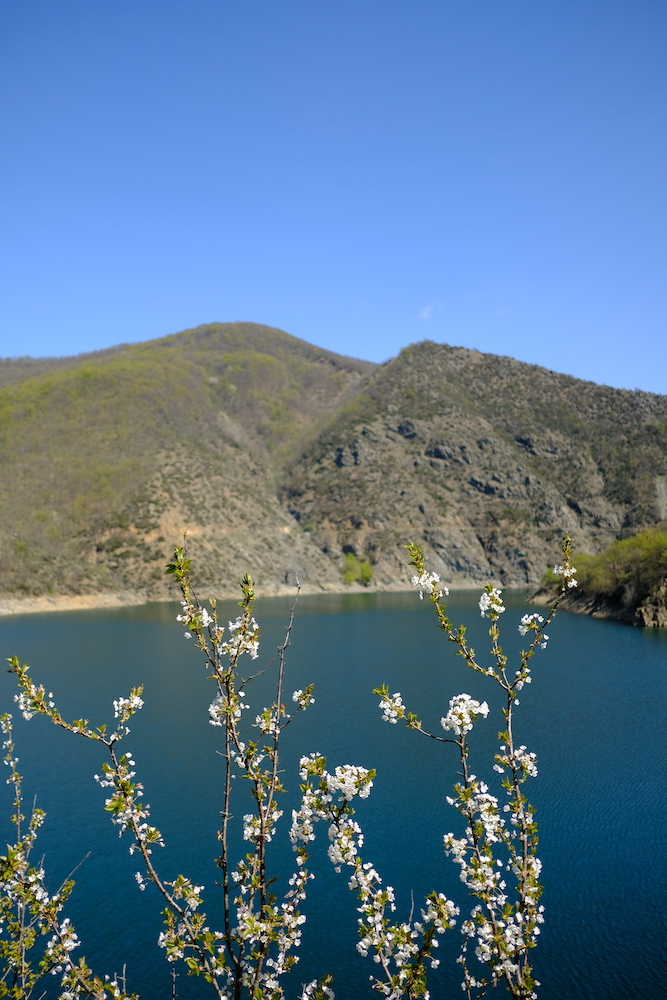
360, 175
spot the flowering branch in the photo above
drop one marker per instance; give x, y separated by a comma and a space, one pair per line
260, 932
505, 922
29, 913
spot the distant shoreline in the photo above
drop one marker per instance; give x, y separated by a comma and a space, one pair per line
11, 604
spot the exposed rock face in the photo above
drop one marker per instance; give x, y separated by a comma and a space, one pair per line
653, 612
277, 457
484, 461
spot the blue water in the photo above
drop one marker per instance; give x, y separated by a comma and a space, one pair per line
595, 716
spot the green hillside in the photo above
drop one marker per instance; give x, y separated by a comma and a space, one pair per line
88, 447
283, 459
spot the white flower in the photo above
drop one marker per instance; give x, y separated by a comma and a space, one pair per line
490, 603
124, 706
392, 708
463, 711
303, 698
530, 622
428, 583
244, 639
567, 574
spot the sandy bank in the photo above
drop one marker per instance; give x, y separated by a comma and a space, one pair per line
10, 604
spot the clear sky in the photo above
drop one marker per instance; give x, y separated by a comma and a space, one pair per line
361, 173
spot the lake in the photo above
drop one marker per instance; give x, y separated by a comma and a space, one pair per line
594, 714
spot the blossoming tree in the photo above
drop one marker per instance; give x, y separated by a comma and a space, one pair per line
255, 943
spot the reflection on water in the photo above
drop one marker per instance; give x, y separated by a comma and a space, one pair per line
595, 715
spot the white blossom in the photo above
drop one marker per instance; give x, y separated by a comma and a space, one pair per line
244, 638
428, 583
392, 708
490, 603
125, 706
567, 573
463, 711
529, 622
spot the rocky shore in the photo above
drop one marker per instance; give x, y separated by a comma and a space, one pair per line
651, 613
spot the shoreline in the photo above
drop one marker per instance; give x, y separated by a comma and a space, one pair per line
10, 604
649, 614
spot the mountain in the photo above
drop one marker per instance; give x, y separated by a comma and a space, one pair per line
280, 458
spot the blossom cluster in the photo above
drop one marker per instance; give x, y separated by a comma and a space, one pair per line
319, 802
519, 759
502, 932
533, 623
399, 948
256, 949
33, 700
317, 990
429, 583
226, 707
490, 603
28, 911
263, 826
392, 708
568, 574
244, 638
195, 616
127, 812
124, 707
530, 622
499, 842
304, 698
463, 710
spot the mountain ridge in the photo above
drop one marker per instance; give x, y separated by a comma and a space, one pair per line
279, 457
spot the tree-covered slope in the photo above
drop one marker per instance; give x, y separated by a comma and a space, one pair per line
627, 581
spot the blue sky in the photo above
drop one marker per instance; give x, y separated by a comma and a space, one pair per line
361, 173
